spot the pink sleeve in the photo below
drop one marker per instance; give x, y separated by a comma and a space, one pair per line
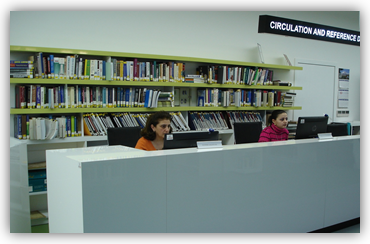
264, 137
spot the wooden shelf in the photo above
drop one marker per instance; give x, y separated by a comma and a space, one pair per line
39, 214
34, 166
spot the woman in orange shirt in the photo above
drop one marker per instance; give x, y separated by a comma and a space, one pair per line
152, 136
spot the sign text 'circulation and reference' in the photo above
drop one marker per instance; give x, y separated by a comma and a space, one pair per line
289, 27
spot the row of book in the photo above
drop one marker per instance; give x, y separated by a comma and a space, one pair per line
214, 97
96, 124
78, 96
223, 74
203, 121
46, 128
243, 116
93, 124
147, 71
49, 66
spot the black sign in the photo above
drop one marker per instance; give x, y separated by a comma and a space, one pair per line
289, 27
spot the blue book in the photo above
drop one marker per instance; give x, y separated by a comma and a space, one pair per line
127, 97
38, 96
104, 70
18, 126
104, 97
123, 103
139, 122
68, 126
110, 99
125, 71
146, 101
61, 96
154, 70
41, 65
119, 97
249, 98
52, 65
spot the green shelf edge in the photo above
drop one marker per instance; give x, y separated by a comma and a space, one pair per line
145, 110
143, 83
147, 56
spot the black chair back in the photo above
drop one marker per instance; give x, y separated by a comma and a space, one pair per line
247, 132
125, 136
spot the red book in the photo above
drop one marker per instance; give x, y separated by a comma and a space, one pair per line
278, 102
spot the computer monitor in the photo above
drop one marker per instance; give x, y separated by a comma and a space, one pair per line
337, 129
188, 139
309, 127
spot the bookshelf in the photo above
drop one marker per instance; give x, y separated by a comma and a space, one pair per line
35, 149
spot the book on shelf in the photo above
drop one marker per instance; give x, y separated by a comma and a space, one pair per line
46, 128
280, 83
21, 69
194, 79
287, 99
244, 116
203, 121
184, 97
95, 124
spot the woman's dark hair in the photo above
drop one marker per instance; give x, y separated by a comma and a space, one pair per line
154, 119
274, 115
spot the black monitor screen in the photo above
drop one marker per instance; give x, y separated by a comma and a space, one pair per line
309, 127
188, 139
338, 129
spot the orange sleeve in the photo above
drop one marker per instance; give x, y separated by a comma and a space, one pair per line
145, 144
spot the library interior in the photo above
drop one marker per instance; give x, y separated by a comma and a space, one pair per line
263, 129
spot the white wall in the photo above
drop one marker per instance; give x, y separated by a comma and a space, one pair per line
217, 35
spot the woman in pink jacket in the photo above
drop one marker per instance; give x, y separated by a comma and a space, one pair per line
276, 131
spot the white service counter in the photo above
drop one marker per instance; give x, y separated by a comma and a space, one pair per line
290, 186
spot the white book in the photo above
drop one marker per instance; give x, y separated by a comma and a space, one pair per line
114, 97
133, 118
62, 127
98, 124
92, 69
77, 100
68, 67
66, 97
72, 97
32, 128
48, 131
40, 128
51, 97
123, 120
128, 120
100, 70
102, 124
154, 96
73, 67
54, 128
